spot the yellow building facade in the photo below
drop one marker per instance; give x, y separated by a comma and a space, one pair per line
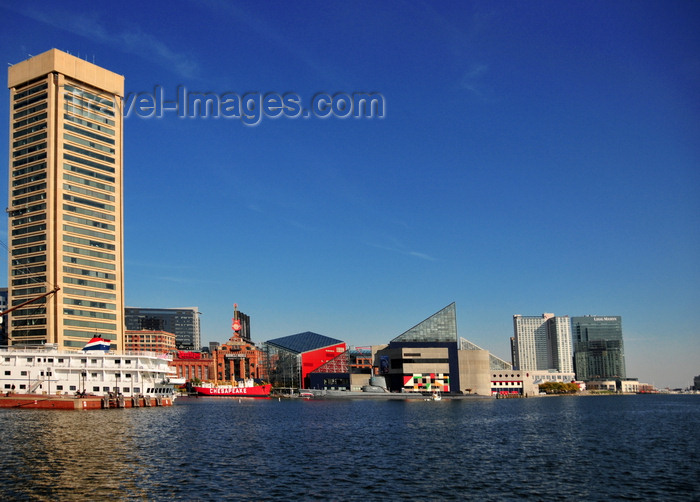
65, 203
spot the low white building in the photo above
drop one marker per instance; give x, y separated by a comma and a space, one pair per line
627, 386
526, 383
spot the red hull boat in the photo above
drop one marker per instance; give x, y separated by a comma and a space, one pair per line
230, 390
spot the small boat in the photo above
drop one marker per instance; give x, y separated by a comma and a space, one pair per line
305, 394
242, 389
435, 396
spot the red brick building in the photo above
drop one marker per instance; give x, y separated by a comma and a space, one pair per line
190, 365
162, 342
238, 359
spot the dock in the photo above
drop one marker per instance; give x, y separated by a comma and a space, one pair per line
61, 402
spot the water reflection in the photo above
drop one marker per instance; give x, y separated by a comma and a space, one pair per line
65, 455
220, 449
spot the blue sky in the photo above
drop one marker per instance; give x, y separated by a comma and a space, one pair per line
534, 157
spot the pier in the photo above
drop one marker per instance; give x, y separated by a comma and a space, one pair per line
49, 402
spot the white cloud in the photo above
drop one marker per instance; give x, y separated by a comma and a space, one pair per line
133, 40
473, 79
397, 247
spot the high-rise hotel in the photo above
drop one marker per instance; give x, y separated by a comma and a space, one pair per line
65, 204
542, 343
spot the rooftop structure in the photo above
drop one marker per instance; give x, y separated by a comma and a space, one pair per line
439, 327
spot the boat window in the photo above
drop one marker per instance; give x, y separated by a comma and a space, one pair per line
8, 372
59, 387
105, 389
96, 389
137, 390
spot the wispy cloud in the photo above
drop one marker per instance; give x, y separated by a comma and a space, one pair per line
132, 40
466, 41
397, 247
239, 14
299, 225
472, 80
422, 256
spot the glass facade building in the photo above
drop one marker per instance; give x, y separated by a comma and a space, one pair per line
183, 322
440, 327
292, 358
65, 202
599, 351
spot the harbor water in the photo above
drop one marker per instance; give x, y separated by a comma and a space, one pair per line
642, 447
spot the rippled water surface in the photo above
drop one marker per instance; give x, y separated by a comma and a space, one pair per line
560, 448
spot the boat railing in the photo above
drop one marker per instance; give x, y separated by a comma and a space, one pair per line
53, 350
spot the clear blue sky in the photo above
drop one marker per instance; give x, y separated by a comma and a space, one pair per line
534, 157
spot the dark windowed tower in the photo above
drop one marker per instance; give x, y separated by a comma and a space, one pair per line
184, 322
598, 349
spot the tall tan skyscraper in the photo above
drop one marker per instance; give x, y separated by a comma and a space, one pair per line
65, 205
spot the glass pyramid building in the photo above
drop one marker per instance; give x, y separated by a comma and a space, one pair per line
439, 327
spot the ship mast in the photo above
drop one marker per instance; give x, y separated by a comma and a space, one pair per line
32, 300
